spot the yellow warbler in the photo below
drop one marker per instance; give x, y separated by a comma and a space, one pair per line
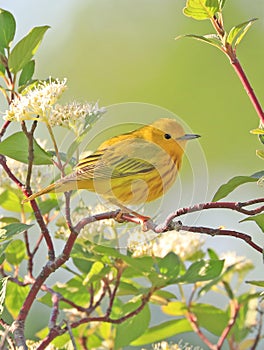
132, 168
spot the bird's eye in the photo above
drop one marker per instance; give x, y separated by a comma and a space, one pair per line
167, 136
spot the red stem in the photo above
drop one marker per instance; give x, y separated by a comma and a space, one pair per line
234, 310
4, 127
48, 269
243, 78
218, 232
193, 321
39, 218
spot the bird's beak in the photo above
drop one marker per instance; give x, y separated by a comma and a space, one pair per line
188, 137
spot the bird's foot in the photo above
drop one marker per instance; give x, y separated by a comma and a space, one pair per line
133, 217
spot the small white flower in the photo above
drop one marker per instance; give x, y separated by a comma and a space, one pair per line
252, 313
185, 244
75, 115
103, 229
163, 345
241, 263
37, 103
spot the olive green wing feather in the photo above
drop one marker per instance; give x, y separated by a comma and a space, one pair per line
127, 158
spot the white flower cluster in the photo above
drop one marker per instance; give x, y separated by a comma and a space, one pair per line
240, 263
252, 313
73, 115
163, 345
105, 229
184, 244
40, 104
37, 103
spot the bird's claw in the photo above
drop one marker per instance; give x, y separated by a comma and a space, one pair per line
136, 218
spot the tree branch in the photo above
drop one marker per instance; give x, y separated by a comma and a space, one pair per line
234, 310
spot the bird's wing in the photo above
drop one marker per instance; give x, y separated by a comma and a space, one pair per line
127, 158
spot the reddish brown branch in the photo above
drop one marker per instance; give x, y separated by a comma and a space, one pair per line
194, 323
234, 310
258, 336
113, 293
236, 206
219, 232
247, 86
48, 269
4, 128
59, 331
55, 310
39, 218
96, 217
230, 52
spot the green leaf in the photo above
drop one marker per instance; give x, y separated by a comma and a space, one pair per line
169, 266
3, 284
162, 297
202, 271
7, 28
163, 331
27, 73
206, 287
259, 220
128, 288
231, 185
201, 9
10, 230
25, 49
212, 254
256, 283
210, 317
73, 290
2, 72
132, 328
9, 219
3, 247
15, 252
222, 4
15, 297
95, 272
175, 308
16, 147
260, 153
11, 202
141, 264
211, 39
47, 205
237, 33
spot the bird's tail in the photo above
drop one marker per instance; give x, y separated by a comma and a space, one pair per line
47, 189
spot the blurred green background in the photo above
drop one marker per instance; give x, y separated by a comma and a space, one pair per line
119, 51
124, 51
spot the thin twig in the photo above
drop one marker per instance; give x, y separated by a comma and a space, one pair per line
55, 310
230, 52
48, 269
258, 336
4, 128
234, 310
71, 335
29, 135
37, 213
194, 323
219, 232
59, 331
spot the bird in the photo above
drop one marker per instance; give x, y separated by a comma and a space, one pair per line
132, 168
